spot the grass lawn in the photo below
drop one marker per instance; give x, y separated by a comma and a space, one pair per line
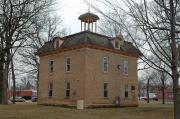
33, 111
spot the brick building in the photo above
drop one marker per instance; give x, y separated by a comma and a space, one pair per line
88, 66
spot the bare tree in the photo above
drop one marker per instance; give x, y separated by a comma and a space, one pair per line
48, 27
158, 29
25, 84
149, 76
160, 82
111, 28
163, 80
16, 19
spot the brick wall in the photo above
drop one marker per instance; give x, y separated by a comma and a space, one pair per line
87, 78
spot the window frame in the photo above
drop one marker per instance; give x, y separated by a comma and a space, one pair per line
133, 88
105, 90
126, 91
57, 43
51, 66
116, 44
50, 90
105, 64
125, 67
68, 89
68, 64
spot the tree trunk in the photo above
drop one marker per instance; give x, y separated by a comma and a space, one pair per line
14, 81
147, 93
163, 95
176, 96
174, 63
1, 81
163, 87
5, 78
5, 84
37, 82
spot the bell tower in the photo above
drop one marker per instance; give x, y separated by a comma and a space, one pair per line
88, 22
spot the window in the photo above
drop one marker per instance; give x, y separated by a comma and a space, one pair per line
132, 87
105, 64
50, 89
68, 88
51, 66
116, 44
125, 69
68, 64
126, 91
57, 44
105, 90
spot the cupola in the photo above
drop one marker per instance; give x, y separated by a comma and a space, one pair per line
88, 22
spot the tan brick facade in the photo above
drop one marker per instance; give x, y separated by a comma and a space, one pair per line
87, 78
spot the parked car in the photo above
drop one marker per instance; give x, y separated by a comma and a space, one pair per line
34, 99
152, 96
18, 99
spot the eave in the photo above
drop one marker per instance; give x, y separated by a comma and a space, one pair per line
59, 50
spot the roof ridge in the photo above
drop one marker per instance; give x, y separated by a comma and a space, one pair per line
99, 34
86, 32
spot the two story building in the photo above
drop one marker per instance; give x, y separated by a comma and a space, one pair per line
100, 70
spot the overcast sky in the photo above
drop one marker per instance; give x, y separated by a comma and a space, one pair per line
70, 10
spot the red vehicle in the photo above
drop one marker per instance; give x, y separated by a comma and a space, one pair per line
26, 94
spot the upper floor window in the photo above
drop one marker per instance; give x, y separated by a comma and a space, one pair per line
116, 44
68, 89
68, 64
125, 67
105, 64
126, 91
57, 44
51, 66
50, 89
105, 90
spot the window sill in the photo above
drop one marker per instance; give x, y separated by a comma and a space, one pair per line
67, 98
104, 72
126, 98
51, 73
106, 98
125, 75
68, 72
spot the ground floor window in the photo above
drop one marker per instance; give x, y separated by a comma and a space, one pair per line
126, 91
50, 89
68, 89
105, 90
132, 87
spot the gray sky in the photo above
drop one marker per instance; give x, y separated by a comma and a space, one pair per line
70, 10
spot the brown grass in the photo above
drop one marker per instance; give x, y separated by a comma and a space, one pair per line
33, 111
